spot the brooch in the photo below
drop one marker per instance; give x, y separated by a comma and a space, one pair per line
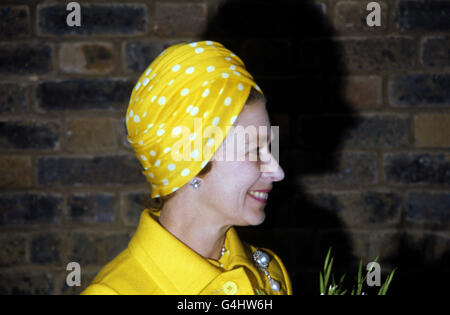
261, 260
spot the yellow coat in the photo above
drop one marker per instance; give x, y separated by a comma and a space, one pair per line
156, 262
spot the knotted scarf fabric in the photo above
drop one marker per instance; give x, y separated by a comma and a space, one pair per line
181, 110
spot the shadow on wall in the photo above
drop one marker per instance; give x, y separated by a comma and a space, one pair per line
301, 77
417, 274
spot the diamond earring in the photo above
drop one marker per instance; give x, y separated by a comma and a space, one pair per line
195, 183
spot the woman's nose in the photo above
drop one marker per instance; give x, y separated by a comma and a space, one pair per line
272, 170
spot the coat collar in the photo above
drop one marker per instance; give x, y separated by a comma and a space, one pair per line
181, 270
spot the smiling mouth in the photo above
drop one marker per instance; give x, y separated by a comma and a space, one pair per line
260, 196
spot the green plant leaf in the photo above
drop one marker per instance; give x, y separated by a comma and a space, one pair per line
385, 286
336, 288
326, 259
360, 281
322, 289
342, 279
327, 275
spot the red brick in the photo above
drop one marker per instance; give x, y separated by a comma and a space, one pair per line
363, 92
15, 172
180, 19
89, 58
350, 16
14, 21
91, 134
432, 130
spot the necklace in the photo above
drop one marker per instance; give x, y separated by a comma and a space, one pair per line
222, 252
261, 260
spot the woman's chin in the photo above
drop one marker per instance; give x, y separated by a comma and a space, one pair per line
255, 217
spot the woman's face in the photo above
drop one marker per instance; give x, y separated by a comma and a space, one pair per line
238, 184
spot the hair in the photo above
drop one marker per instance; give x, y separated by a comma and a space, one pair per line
158, 203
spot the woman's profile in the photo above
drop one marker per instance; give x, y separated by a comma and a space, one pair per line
186, 118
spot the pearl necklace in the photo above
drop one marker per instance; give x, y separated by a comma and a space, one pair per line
261, 260
223, 252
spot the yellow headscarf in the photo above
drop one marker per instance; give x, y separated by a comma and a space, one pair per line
185, 101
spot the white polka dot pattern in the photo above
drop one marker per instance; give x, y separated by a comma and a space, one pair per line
175, 95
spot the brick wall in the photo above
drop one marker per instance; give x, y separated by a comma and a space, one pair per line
363, 114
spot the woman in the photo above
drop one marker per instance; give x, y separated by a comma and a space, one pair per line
178, 122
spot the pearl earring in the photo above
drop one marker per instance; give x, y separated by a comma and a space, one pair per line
195, 183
